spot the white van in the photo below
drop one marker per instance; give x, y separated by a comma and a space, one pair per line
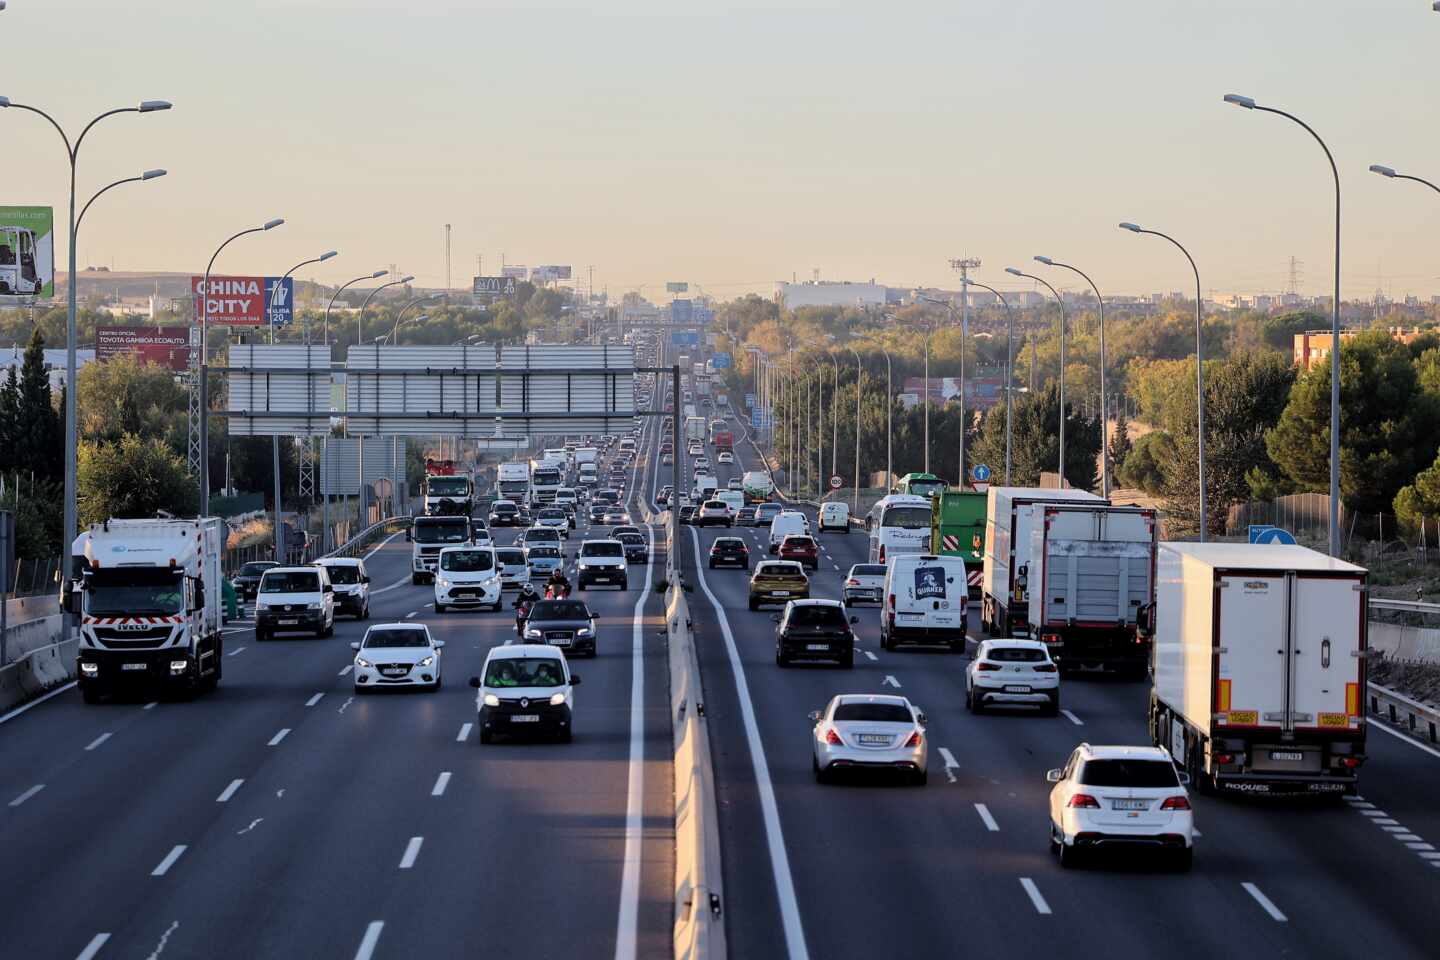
294, 600
467, 577
525, 689
898, 524
734, 499
704, 486
835, 515
925, 601
787, 522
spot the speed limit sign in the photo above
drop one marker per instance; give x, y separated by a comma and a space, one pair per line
836, 482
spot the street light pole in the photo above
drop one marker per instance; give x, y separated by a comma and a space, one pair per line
1061, 302
395, 334
326, 480
1009, 369
1104, 408
1249, 104
1199, 374
361, 516
855, 509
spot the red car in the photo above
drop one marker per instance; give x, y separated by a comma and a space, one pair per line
801, 548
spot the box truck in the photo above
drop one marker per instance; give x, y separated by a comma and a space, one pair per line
513, 481
1010, 517
1092, 572
957, 529
1259, 667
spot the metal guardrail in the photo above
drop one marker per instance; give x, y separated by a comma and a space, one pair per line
1407, 606
1416, 718
363, 539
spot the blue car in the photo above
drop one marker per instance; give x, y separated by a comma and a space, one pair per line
543, 560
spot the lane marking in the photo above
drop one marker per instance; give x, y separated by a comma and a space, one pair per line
275, 740
253, 824
986, 819
164, 866
229, 791
411, 614
393, 586
236, 652
871, 655
35, 703
441, 782
372, 937
1264, 902
1073, 719
412, 850
314, 700
1400, 736
27, 794
347, 669
1373, 813
779, 860
164, 939
93, 947
891, 681
1407, 837
151, 705
349, 700
1033, 892
376, 549
99, 740
464, 733
951, 764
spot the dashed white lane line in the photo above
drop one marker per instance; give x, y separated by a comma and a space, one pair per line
1073, 719
441, 782
275, 740
27, 794
99, 740
93, 947
371, 938
951, 764
163, 867
411, 614
891, 681
347, 668
1033, 892
229, 791
412, 850
314, 700
871, 655
151, 705
464, 733
986, 819
236, 652
1264, 901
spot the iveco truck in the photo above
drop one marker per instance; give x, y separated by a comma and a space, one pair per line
148, 599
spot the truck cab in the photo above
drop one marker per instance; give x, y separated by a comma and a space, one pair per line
428, 536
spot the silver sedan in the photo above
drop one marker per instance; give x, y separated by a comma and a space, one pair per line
859, 731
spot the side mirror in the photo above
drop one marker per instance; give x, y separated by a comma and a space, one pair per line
814, 716
355, 645
475, 682
328, 588
574, 680
1184, 777
365, 579
439, 644
70, 596
199, 594
774, 618
1053, 776
854, 619
921, 718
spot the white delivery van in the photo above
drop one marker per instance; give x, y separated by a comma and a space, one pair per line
926, 599
294, 600
704, 486
467, 577
734, 499
835, 515
787, 523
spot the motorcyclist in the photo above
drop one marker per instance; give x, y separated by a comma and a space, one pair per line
558, 585
523, 604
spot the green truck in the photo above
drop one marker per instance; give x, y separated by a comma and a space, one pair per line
957, 529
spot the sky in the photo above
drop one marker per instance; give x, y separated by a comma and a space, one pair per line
734, 144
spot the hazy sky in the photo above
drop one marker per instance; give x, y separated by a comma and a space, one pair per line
732, 144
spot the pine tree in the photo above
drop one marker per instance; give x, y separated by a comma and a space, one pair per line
37, 439
9, 423
1120, 445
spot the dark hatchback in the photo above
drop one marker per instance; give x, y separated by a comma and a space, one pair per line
247, 581
567, 624
729, 552
637, 548
815, 630
687, 513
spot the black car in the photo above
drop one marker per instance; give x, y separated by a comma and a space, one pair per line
597, 512
637, 548
729, 551
815, 630
247, 581
567, 624
687, 513
504, 513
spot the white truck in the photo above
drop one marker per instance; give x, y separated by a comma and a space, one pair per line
757, 486
546, 476
1259, 667
148, 601
1093, 565
512, 480
428, 536
694, 429
1010, 517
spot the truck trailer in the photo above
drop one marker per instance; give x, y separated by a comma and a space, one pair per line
1010, 516
957, 529
1259, 667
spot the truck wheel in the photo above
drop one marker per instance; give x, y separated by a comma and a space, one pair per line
414, 579
439, 608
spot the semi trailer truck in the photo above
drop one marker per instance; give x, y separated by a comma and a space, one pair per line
1010, 517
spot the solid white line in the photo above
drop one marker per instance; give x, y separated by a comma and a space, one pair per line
27, 794
35, 703
314, 700
275, 740
376, 549
347, 668
985, 818
1400, 736
441, 782
1073, 719
229, 791
412, 850
393, 586
372, 937
464, 733
169, 861
1041, 907
93, 947
99, 740
949, 758
1264, 901
779, 861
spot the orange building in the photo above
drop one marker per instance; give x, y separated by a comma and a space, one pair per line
1313, 346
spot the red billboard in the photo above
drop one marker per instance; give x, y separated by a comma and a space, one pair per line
232, 301
165, 346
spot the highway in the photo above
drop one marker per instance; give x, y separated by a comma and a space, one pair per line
281, 816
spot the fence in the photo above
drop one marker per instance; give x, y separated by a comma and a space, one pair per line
35, 577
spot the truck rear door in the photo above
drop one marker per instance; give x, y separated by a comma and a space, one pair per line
1329, 638
1253, 614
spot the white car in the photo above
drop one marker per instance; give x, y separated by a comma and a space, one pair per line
352, 585
602, 561
480, 534
724, 456
397, 655
870, 731
514, 571
1120, 797
694, 449
864, 582
467, 577
537, 535
1008, 672
554, 518
525, 688
702, 464
714, 511
735, 483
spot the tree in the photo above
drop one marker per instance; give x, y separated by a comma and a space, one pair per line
133, 478
11, 454
123, 396
1419, 501
1388, 425
1144, 467
1036, 440
36, 434
1120, 445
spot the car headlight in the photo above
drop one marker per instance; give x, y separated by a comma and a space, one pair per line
583, 565
532, 634
585, 632
443, 583
557, 699
427, 661
261, 605
312, 606
491, 700
362, 662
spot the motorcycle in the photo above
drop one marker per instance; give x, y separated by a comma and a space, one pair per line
554, 592
522, 613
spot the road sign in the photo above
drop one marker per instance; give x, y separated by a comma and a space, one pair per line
677, 286
980, 486
836, 482
721, 361
749, 400
1268, 533
981, 473
682, 311
685, 338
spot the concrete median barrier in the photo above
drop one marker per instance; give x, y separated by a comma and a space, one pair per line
38, 671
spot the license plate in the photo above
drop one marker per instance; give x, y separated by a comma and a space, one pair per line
874, 738
394, 673
288, 623
912, 616
1016, 688
1130, 804
133, 666
525, 718
1287, 755
560, 641
817, 646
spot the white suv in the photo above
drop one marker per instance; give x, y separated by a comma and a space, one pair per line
602, 561
352, 585
1012, 672
1120, 797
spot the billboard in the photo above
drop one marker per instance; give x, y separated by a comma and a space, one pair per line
27, 252
164, 346
494, 286
550, 272
683, 338
245, 301
675, 286
518, 271
682, 311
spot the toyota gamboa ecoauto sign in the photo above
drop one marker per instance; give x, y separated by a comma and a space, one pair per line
245, 301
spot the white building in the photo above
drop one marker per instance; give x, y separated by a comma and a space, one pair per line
54, 363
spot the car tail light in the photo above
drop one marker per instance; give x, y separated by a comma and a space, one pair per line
1083, 801
1051, 638
914, 740
1224, 758
852, 582
1045, 668
982, 665
1176, 803
882, 553
1351, 762
892, 603
833, 738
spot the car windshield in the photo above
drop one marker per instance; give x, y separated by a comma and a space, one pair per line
779, 570
594, 549
816, 616
255, 569
715, 505
448, 486
729, 543
515, 672
907, 518
429, 530
868, 570
1014, 654
133, 593
560, 610
798, 543
500, 508
344, 573
630, 538
1128, 773
298, 581
551, 513
873, 712
467, 561
512, 556
544, 552
542, 535
396, 637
